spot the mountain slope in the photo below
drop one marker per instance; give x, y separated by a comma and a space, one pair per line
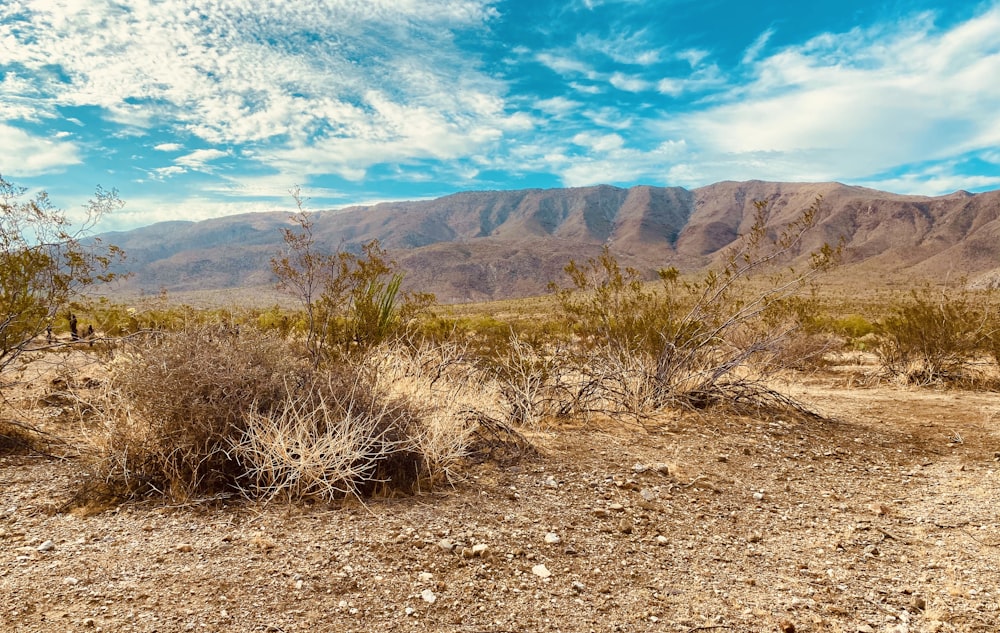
496, 244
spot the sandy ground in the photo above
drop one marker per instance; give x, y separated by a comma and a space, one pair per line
883, 517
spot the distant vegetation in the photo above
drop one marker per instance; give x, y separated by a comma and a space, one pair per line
365, 389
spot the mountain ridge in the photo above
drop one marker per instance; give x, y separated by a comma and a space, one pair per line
481, 245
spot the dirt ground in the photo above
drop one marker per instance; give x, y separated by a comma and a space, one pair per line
885, 516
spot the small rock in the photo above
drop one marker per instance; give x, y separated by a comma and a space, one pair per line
601, 513
428, 596
409, 610
865, 628
639, 468
47, 546
541, 571
616, 507
723, 459
480, 549
578, 586
663, 469
625, 526
647, 494
425, 576
552, 538
185, 547
662, 540
69, 580
918, 604
758, 496
551, 482
89, 622
467, 552
786, 626
446, 545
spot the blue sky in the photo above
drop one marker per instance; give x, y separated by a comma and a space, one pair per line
200, 108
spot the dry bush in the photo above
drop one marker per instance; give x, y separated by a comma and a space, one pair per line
332, 440
18, 438
177, 402
207, 411
941, 337
690, 344
447, 387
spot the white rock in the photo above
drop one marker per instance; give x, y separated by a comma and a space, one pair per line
425, 576
662, 540
47, 546
69, 580
552, 538
541, 571
647, 494
551, 482
640, 468
428, 596
480, 549
758, 496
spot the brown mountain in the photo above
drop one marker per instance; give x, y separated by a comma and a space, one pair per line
496, 244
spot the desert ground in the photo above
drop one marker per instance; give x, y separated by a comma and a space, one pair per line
883, 514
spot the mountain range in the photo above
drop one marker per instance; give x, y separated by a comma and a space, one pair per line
484, 245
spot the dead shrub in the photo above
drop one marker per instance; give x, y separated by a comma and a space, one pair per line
331, 441
176, 403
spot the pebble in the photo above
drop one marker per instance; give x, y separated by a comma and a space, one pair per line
578, 586
616, 507
428, 596
89, 622
552, 538
865, 628
480, 549
625, 526
446, 545
541, 571
185, 547
640, 468
425, 576
758, 496
662, 540
647, 494
47, 546
69, 580
551, 482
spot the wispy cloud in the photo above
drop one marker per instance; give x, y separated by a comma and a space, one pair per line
853, 104
26, 155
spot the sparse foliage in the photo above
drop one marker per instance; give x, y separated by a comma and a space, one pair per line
938, 336
44, 261
698, 338
352, 302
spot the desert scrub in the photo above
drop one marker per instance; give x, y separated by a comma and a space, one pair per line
694, 343
177, 401
211, 410
938, 336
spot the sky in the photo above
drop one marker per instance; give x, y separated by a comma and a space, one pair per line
193, 109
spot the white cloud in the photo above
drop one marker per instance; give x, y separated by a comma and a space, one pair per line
610, 162
198, 158
754, 50
629, 83
168, 147
213, 69
26, 155
162, 173
849, 105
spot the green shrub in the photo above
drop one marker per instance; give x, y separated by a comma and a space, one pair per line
937, 336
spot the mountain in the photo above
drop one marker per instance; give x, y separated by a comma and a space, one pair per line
497, 244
